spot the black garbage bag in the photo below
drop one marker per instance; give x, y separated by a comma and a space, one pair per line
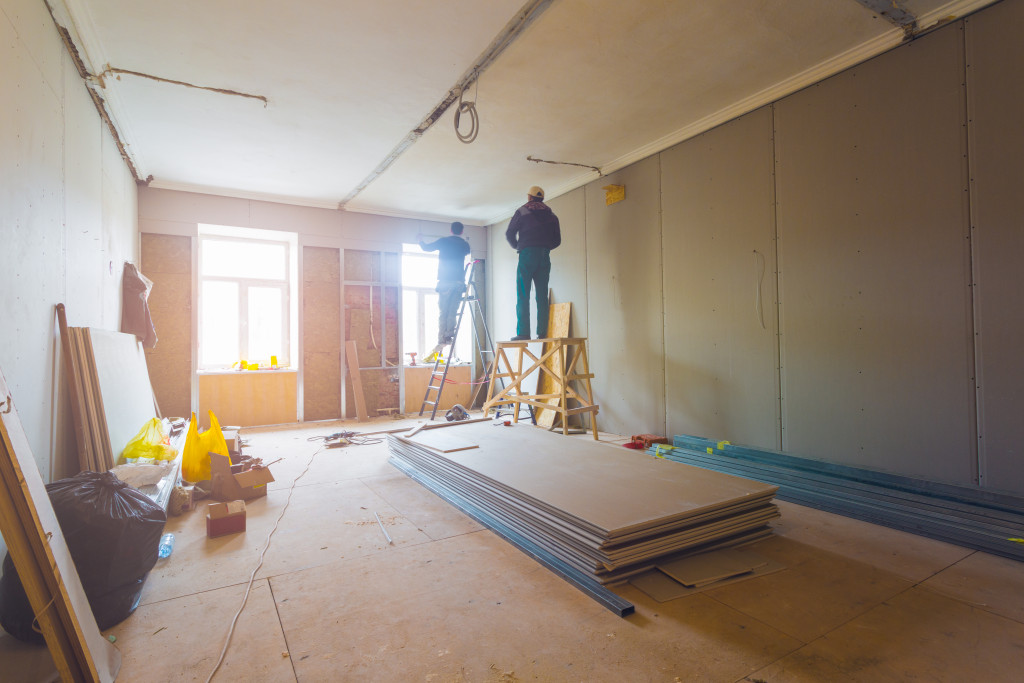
112, 531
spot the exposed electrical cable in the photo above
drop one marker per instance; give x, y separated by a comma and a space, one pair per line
223, 91
564, 163
759, 268
248, 588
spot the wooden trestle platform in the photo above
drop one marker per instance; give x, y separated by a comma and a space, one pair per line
561, 363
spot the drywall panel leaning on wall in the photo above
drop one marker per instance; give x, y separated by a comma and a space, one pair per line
721, 351
874, 284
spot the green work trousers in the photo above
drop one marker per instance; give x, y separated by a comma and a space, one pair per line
534, 269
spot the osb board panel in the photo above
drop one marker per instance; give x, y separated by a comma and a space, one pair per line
416, 379
249, 399
591, 482
167, 261
322, 386
321, 264
721, 361
995, 58
379, 392
558, 326
874, 265
626, 317
367, 339
362, 265
321, 307
166, 254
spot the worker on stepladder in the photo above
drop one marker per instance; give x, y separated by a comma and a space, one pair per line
533, 232
450, 284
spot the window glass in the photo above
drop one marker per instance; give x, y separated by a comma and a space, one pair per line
219, 323
419, 270
266, 323
235, 258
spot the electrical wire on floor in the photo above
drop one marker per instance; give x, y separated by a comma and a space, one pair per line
248, 588
345, 438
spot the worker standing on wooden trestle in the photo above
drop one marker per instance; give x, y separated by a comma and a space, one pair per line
533, 232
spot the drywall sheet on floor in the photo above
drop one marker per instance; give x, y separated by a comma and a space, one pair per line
873, 253
626, 316
249, 398
167, 261
606, 512
321, 333
995, 58
615, 491
721, 353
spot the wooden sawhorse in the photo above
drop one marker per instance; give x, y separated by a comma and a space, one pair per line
564, 359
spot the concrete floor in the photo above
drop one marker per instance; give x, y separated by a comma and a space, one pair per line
450, 601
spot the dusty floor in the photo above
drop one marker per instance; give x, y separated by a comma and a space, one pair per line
450, 601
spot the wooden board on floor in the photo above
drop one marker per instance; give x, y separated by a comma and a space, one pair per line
43, 562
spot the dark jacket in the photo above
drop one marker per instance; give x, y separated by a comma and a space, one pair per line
451, 259
534, 224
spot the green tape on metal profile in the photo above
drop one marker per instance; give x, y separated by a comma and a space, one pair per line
711, 451
1016, 540
722, 444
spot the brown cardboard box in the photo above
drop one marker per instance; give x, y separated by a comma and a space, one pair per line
225, 518
245, 485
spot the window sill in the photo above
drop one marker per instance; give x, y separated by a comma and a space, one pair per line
261, 371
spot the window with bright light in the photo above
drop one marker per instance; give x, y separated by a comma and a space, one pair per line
420, 312
247, 310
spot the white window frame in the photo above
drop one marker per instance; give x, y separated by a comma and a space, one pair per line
286, 285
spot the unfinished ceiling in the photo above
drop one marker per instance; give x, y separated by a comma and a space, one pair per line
351, 105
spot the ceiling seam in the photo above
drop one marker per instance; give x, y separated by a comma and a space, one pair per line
526, 15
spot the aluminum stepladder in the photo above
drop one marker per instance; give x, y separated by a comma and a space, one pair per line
482, 341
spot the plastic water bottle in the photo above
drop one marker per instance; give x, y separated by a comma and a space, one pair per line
166, 545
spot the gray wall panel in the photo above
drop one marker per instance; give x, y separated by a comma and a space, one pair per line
996, 99
626, 318
872, 225
721, 363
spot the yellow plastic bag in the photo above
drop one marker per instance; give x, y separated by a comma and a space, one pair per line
195, 461
149, 445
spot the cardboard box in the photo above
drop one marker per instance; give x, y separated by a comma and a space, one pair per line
244, 485
225, 518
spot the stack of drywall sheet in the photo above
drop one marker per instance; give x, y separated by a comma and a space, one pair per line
607, 512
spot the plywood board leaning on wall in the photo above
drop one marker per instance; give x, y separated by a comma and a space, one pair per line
167, 261
321, 333
43, 562
558, 326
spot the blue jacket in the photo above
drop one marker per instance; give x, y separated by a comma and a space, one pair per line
534, 224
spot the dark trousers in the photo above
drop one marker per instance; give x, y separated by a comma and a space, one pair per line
449, 295
534, 269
